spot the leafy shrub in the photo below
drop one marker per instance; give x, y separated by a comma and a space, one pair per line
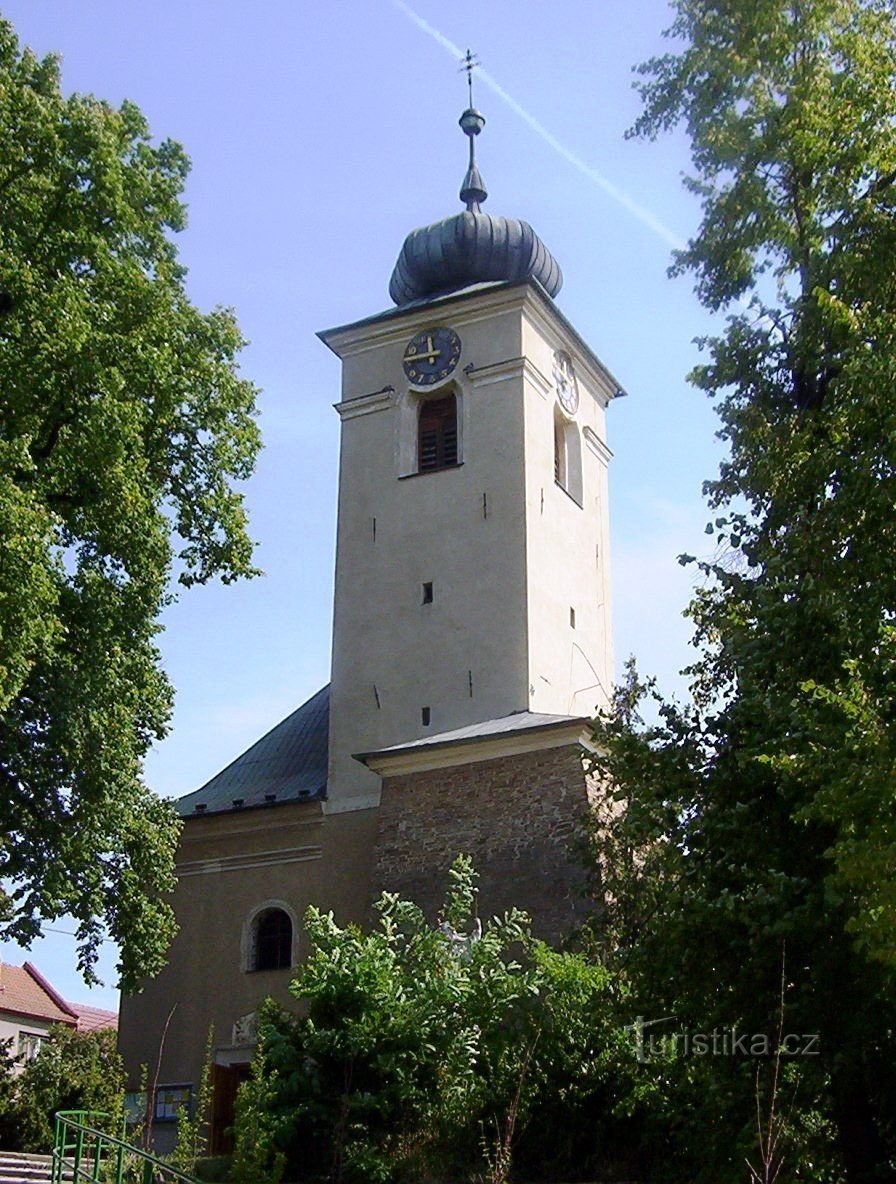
72, 1071
434, 1053
214, 1169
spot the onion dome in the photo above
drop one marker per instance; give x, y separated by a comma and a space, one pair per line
471, 247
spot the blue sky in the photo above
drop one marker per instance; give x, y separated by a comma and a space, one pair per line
320, 136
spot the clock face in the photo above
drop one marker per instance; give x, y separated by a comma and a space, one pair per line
565, 382
431, 355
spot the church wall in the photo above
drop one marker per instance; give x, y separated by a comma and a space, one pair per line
518, 817
570, 662
463, 529
229, 865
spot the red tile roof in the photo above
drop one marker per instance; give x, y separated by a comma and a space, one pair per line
25, 991
93, 1019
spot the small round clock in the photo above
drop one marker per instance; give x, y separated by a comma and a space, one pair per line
431, 355
565, 382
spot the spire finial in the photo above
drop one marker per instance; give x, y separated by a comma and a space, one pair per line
473, 191
469, 62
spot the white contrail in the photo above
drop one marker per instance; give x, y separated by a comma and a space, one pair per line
643, 215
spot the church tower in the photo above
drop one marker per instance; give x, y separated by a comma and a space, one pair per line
471, 647
472, 561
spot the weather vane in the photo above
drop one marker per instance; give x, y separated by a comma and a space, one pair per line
469, 62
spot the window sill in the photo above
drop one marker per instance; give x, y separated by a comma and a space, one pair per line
575, 501
429, 472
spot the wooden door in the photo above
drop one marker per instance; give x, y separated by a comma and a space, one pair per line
226, 1081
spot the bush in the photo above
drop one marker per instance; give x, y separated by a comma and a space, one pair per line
72, 1071
10, 1126
214, 1170
432, 1054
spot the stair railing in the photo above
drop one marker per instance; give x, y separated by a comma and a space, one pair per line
82, 1154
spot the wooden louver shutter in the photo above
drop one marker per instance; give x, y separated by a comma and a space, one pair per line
437, 442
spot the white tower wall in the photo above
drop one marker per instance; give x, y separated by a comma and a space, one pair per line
507, 551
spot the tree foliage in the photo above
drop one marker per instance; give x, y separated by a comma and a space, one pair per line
194, 1121
72, 1071
418, 1054
10, 1127
124, 427
763, 812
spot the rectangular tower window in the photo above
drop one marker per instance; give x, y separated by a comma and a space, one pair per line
425, 716
568, 458
572, 618
437, 434
427, 593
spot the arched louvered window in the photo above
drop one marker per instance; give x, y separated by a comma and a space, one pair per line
437, 434
568, 457
559, 453
272, 941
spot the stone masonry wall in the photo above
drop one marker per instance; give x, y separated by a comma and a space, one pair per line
518, 817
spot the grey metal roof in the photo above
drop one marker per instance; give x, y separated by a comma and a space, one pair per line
286, 765
471, 248
518, 722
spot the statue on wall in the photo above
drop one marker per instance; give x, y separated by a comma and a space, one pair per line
245, 1031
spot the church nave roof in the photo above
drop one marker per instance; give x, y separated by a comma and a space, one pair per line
288, 764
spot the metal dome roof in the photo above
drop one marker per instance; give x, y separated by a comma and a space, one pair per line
471, 247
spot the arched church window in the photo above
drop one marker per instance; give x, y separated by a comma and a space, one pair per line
272, 941
437, 434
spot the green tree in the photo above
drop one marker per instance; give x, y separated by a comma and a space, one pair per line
421, 1054
763, 813
124, 428
10, 1126
194, 1121
72, 1071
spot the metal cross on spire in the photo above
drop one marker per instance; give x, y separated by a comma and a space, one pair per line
469, 62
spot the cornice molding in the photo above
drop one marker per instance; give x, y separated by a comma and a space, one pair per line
519, 367
468, 752
561, 334
597, 445
394, 325
238, 863
340, 805
253, 820
365, 404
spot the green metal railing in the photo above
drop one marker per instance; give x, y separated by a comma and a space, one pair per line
82, 1154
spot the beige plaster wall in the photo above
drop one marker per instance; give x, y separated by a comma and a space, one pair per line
507, 551
570, 667
229, 865
462, 529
